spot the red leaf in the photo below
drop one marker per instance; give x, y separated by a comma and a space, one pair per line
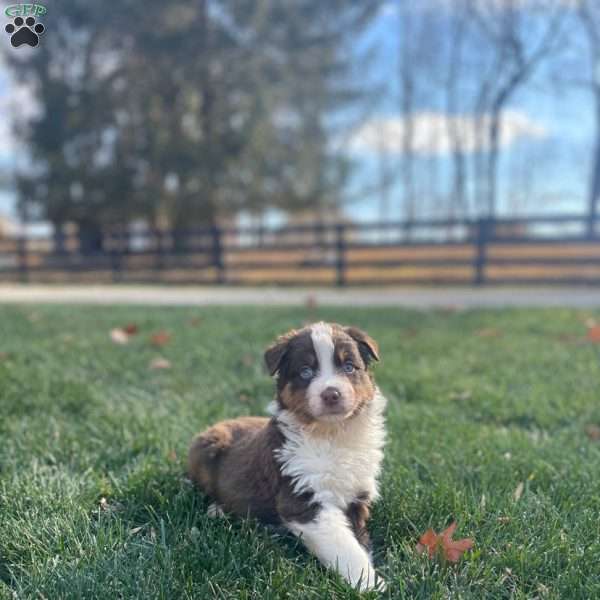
443, 546
428, 542
161, 338
593, 334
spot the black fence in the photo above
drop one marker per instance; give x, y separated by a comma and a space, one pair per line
534, 250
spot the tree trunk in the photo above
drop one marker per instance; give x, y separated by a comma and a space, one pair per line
492, 167
91, 238
594, 194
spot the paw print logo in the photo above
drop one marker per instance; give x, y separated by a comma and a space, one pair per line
24, 32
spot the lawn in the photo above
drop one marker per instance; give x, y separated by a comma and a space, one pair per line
491, 417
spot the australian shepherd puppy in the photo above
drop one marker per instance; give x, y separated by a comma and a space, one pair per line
313, 466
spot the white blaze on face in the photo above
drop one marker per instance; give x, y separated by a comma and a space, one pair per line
327, 374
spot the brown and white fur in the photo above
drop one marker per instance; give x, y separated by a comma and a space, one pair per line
313, 466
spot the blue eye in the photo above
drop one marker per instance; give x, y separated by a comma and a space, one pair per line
348, 367
306, 373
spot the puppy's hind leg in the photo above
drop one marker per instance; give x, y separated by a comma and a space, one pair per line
204, 453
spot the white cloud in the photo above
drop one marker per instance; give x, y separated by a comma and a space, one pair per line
392, 8
432, 133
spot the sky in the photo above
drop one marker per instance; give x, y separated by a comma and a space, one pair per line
552, 129
555, 127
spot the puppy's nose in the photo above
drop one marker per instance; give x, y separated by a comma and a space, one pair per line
331, 396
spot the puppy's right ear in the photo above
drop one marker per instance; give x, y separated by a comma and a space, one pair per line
275, 353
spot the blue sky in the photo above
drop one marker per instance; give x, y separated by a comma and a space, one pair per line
560, 173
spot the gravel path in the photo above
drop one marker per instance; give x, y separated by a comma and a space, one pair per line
407, 297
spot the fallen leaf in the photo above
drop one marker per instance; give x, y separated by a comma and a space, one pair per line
195, 321
569, 338
443, 546
311, 302
461, 396
518, 491
489, 332
160, 363
593, 334
593, 432
118, 336
131, 329
161, 338
449, 309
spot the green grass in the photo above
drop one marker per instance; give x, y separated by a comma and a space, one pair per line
472, 414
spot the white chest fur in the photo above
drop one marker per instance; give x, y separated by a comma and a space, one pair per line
336, 466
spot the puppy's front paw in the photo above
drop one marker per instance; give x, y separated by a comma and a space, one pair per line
372, 583
214, 511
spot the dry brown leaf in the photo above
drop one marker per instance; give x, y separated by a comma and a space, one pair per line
159, 363
131, 329
593, 432
450, 309
119, 336
489, 332
518, 491
160, 338
311, 302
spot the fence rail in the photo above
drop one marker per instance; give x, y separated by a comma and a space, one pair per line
532, 249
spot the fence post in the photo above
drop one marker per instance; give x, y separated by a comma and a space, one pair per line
119, 247
217, 254
159, 244
341, 254
484, 233
22, 256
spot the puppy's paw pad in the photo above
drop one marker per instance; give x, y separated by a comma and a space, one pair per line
214, 511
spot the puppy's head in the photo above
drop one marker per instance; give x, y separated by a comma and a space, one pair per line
322, 371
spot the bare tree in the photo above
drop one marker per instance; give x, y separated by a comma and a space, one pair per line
521, 37
456, 133
588, 13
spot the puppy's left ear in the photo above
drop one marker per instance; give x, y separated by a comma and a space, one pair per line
367, 346
275, 353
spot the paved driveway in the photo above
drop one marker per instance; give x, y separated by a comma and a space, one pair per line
372, 296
